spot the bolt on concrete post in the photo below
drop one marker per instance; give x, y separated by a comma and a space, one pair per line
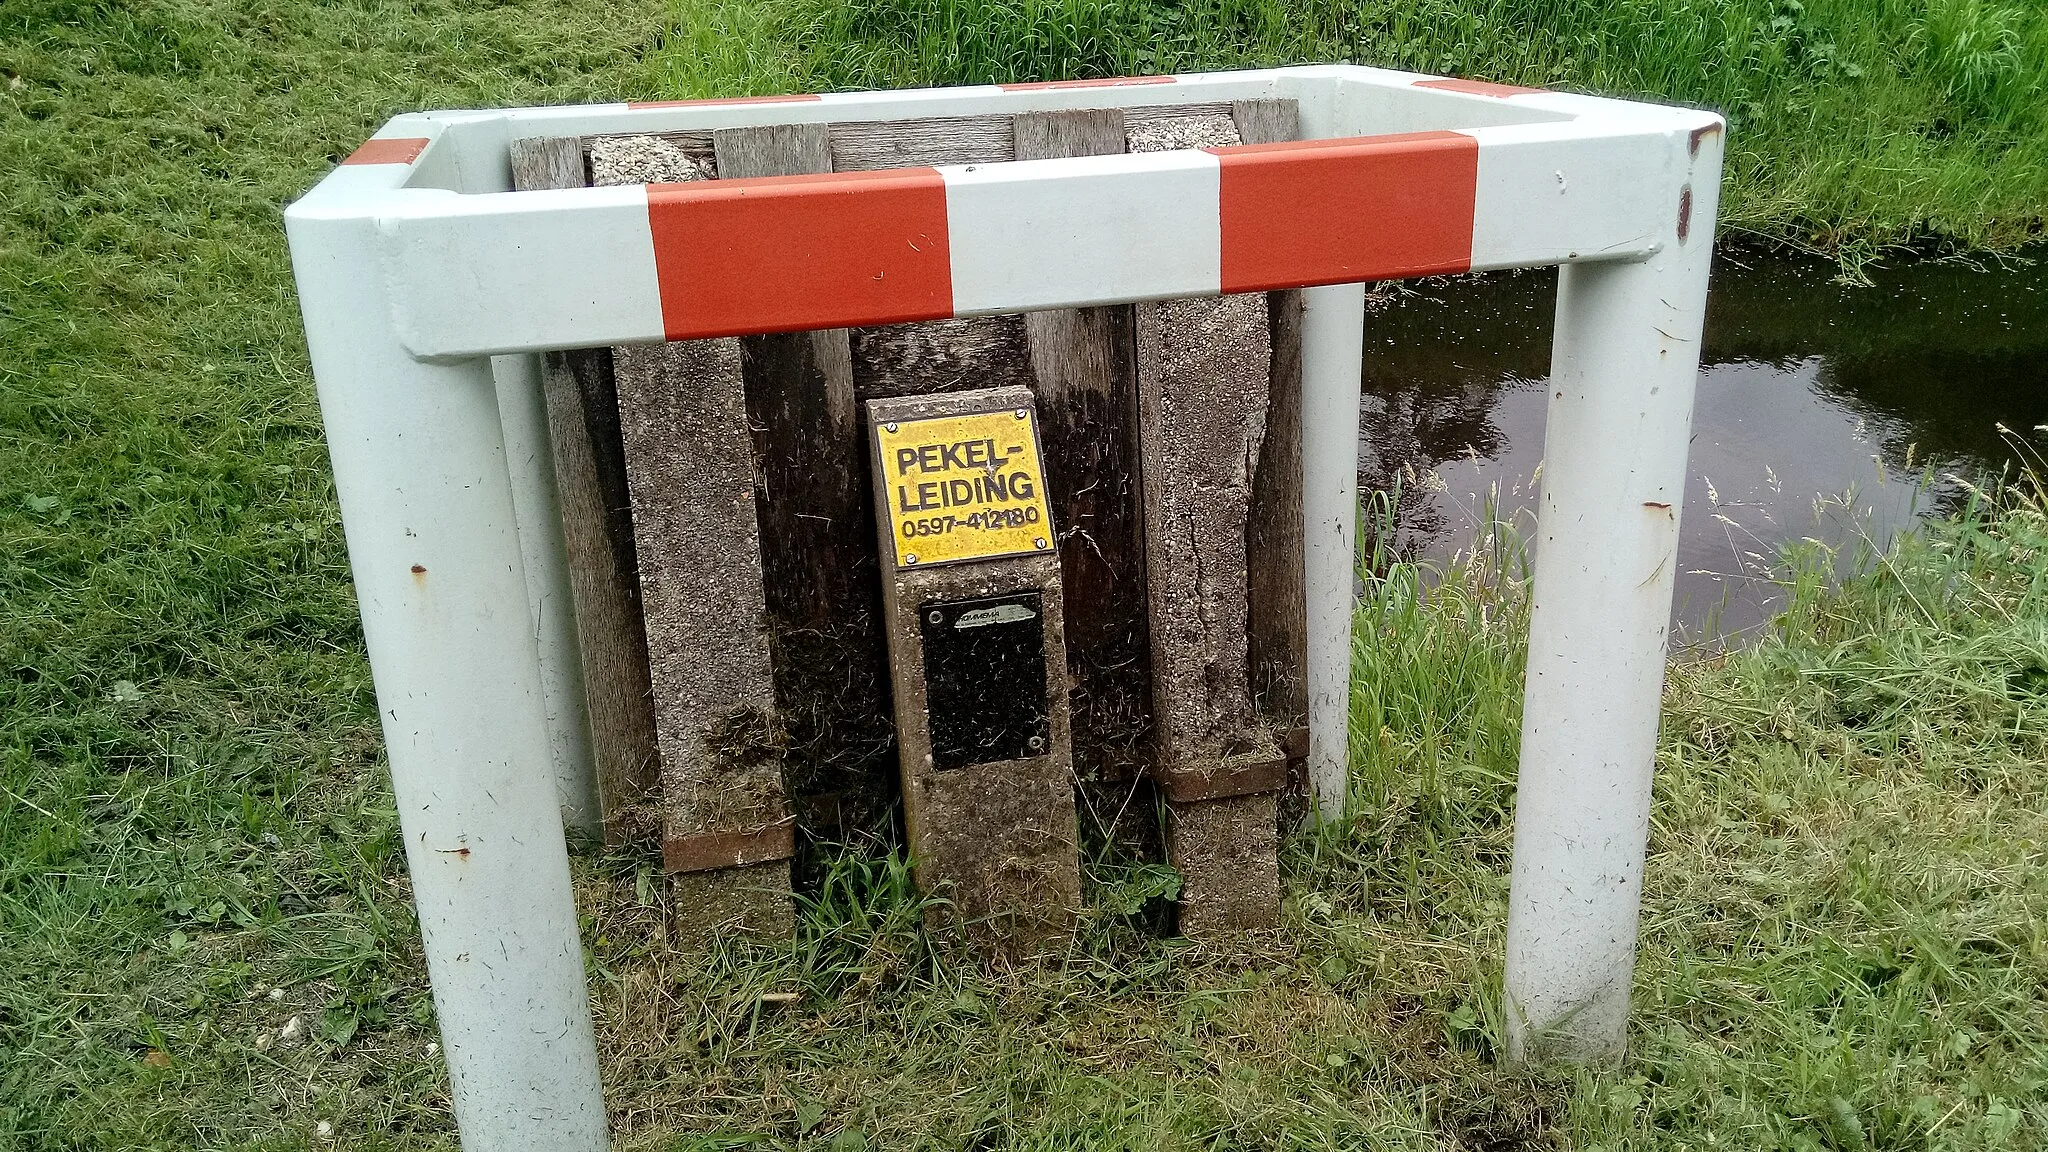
1623, 367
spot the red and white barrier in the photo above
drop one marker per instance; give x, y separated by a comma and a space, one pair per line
426, 286
728, 257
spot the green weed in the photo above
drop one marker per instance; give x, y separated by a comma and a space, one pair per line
1856, 125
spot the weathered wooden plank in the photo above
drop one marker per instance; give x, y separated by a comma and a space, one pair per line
583, 408
548, 162
1203, 398
1266, 121
1143, 115
865, 145
771, 150
817, 533
1278, 637
597, 529
690, 472
940, 356
1086, 382
1081, 132
860, 146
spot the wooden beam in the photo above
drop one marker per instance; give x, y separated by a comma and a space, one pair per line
1085, 377
866, 145
817, 534
597, 529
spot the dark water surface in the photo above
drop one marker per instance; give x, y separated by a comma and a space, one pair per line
1825, 412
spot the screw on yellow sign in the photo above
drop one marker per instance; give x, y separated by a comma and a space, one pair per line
964, 487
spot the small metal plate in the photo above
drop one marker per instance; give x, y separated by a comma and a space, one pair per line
966, 487
984, 678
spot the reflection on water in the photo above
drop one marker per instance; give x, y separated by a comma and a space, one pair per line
1824, 412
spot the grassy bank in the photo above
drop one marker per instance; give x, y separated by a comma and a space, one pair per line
197, 844
194, 809
1855, 124
1843, 937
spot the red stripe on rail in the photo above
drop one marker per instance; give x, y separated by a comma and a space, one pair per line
796, 98
1476, 87
1338, 211
785, 253
396, 150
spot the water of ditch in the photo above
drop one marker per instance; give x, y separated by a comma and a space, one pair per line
1825, 412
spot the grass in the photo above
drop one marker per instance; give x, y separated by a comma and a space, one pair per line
194, 809
1855, 125
1843, 940
197, 844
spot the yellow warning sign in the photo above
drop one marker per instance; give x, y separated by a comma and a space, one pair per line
964, 487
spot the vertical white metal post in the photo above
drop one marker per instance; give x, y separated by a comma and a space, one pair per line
529, 454
1622, 373
1332, 344
419, 464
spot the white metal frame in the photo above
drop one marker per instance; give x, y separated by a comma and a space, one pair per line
428, 287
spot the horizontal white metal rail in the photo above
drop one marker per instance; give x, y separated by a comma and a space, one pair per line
417, 265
